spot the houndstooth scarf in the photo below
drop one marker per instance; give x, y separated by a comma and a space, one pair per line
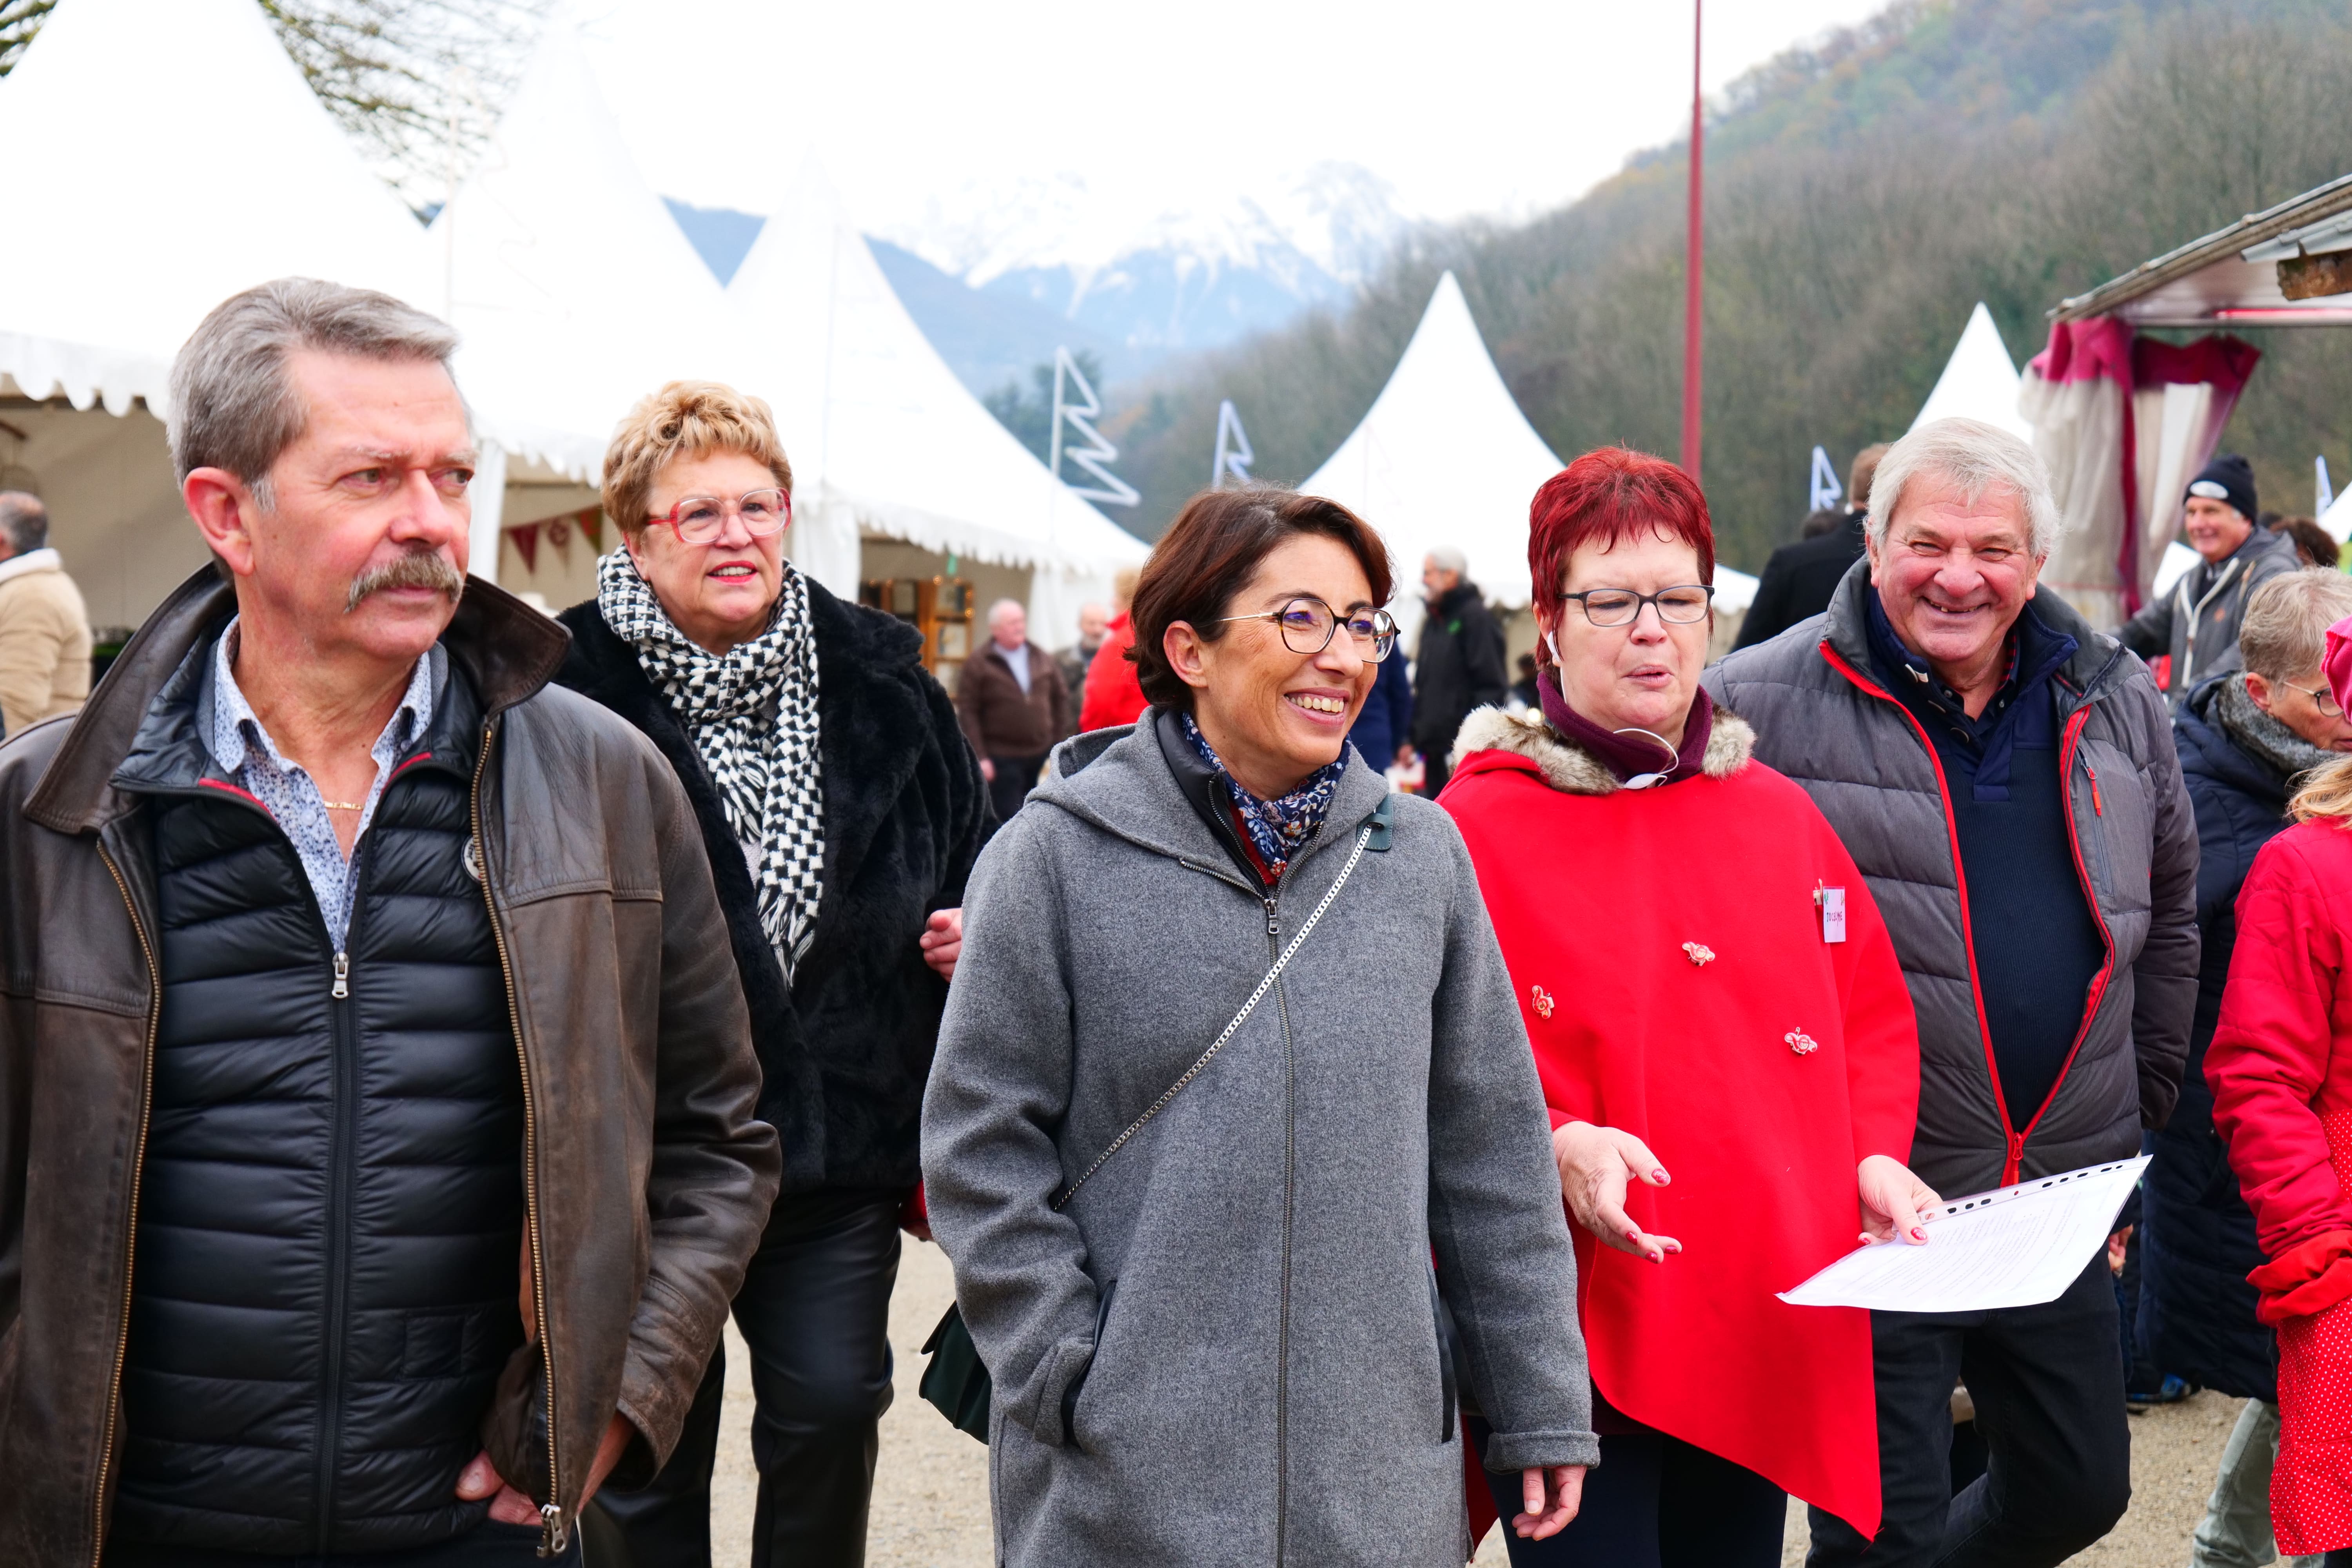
753, 714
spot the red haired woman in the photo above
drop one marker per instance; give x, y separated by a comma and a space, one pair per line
1710, 993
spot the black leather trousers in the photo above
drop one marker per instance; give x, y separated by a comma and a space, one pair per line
815, 1311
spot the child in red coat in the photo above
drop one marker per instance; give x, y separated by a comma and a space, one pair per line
2281, 1071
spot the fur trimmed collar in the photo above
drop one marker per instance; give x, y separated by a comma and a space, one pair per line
1574, 771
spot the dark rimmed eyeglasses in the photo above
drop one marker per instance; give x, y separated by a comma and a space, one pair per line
1680, 606
2321, 697
701, 519
1310, 624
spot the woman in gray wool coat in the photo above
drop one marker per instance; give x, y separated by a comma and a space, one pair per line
1225, 1346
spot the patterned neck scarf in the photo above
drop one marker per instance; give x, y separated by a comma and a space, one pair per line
1280, 827
753, 714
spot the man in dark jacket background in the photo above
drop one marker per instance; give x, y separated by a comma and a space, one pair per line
1014, 707
1800, 578
2004, 777
2246, 738
2190, 634
355, 1210
1458, 667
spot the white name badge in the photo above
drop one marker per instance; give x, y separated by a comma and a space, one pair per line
1832, 903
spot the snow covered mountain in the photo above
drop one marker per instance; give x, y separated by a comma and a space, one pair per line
996, 284
1153, 275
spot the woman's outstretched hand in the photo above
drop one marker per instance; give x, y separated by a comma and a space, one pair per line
1892, 1200
1596, 1166
1552, 1498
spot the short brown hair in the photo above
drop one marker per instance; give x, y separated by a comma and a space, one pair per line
685, 419
1208, 554
1859, 477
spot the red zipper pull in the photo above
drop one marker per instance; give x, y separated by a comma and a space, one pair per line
2097, 807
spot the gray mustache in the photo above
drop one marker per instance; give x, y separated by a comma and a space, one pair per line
420, 569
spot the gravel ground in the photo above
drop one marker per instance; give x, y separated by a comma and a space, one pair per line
931, 1495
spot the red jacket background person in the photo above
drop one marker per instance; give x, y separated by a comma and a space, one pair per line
2281, 1071
1732, 1078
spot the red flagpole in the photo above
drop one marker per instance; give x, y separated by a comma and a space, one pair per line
1694, 322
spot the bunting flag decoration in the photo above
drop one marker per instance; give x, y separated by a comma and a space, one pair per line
1233, 454
2322, 489
592, 523
1827, 491
526, 543
1096, 452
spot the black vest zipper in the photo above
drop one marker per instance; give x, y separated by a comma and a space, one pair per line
341, 1178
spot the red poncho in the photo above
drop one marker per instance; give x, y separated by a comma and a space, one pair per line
1668, 953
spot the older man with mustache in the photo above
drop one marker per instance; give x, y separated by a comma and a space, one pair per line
2004, 778
377, 1139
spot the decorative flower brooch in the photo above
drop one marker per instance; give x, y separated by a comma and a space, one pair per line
1542, 1000
1700, 954
1803, 1043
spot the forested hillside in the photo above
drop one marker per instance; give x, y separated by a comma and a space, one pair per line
1862, 197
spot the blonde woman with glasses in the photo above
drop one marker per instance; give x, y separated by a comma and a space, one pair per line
841, 810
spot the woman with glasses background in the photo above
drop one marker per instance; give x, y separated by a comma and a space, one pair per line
1723, 1034
841, 810
1216, 1336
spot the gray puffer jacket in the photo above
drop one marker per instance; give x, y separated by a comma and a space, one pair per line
1823, 718
1225, 1350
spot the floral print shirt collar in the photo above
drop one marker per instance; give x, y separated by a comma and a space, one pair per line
1280, 827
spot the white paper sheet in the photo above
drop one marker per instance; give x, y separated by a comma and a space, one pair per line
2012, 1246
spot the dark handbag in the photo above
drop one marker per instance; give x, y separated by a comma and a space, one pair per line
957, 1382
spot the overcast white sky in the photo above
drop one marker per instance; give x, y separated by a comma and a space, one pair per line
938, 116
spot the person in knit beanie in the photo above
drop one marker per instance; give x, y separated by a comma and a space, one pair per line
2191, 633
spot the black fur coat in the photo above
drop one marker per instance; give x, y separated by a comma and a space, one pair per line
847, 1047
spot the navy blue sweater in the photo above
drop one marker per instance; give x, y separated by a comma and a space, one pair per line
2037, 942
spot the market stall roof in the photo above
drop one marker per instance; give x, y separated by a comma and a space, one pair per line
884, 438
171, 155
1444, 457
574, 290
1979, 381
2239, 276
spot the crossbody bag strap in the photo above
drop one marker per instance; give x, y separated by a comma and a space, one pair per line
1378, 823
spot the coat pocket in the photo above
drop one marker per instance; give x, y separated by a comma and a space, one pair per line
1077, 1384
1442, 1326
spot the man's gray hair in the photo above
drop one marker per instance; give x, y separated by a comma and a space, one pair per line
1445, 558
24, 520
235, 408
1973, 457
996, 611
2286, 631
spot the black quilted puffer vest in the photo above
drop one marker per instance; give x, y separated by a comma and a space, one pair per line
324, 1274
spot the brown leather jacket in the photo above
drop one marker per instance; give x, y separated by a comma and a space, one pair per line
1001, 719
646, 1179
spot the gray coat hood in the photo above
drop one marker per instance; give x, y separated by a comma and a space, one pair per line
1225, 1349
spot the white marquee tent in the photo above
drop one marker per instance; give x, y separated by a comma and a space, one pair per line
574, 290
885, 440
1979, 381
172, 156
1444, 457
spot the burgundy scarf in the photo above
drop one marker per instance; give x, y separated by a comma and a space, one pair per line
1634, 753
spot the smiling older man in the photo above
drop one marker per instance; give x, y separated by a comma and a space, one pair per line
2005, 778
377, 1151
